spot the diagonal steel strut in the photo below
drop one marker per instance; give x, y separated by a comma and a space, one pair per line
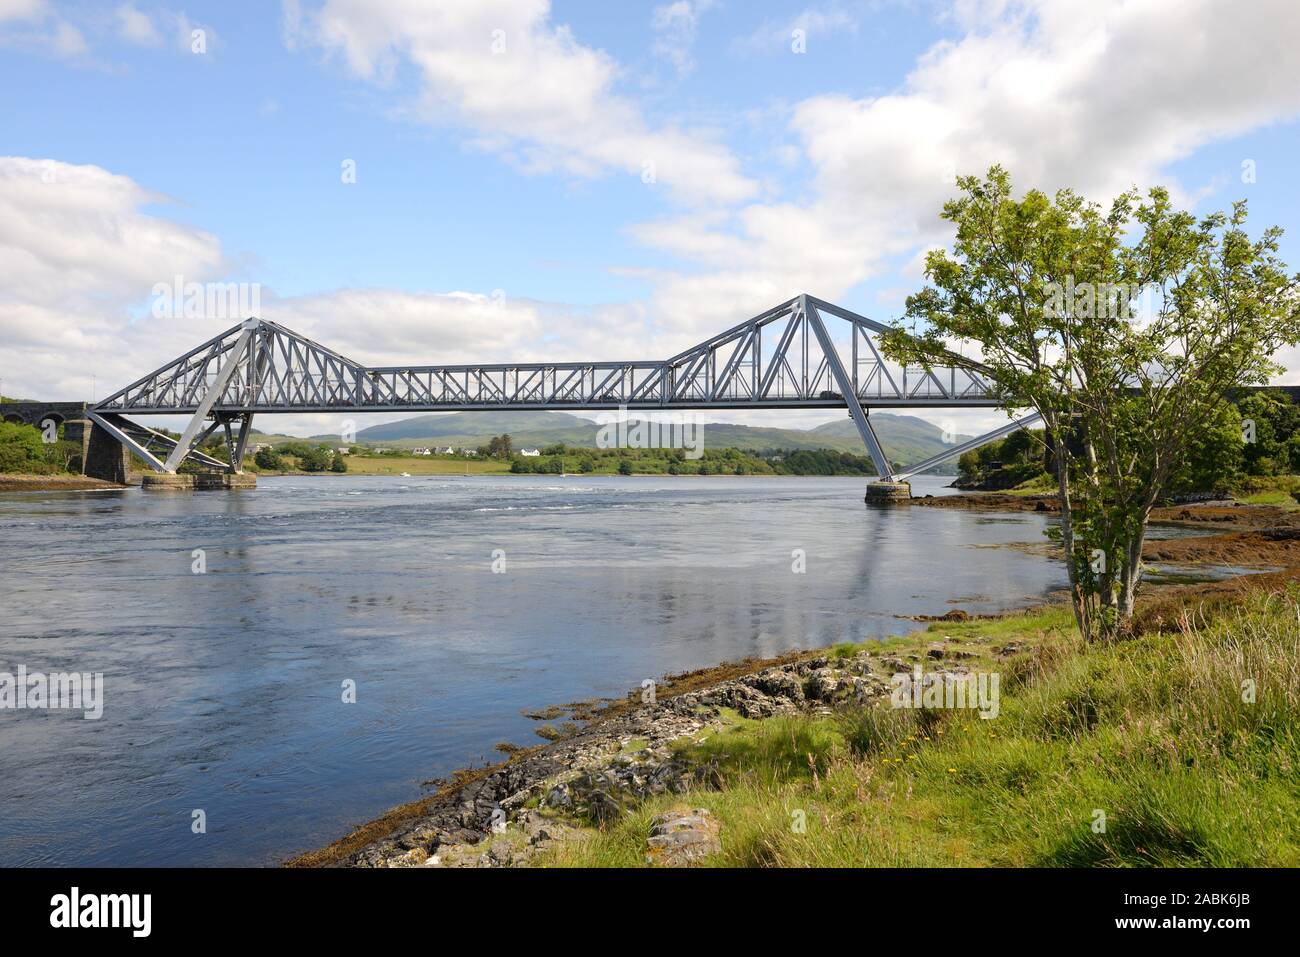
845, 383
210, 397
1013, 426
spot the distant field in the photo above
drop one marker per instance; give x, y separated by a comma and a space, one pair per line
424, 465
415, 464
428, 465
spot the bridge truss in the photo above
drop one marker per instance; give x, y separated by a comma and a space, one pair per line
785, 358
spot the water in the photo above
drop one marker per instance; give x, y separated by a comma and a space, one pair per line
223, 691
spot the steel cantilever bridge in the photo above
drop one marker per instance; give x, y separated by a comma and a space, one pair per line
784, 358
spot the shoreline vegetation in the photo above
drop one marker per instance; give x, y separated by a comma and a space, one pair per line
1142, 752
501, 458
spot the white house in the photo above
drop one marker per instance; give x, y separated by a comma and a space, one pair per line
421, 451
447, 451
530, 453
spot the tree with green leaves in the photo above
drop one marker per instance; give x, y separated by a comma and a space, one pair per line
1124, 344
498, 447
1271, 426
269, 459
21, 449
314, 458
1213, 458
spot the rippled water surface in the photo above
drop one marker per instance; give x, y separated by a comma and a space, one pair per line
223, 690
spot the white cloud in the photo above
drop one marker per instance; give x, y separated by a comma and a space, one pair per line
75, 251
525, 87
1095, 95
35, 26
22, 9
778, 34
31, 24
675, 25
136, 27
67, 40
188, 36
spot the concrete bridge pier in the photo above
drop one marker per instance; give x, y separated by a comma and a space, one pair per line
105, 458
197, 481
888, 493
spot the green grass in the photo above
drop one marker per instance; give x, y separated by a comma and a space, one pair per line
1037, 485
1267, 490
1152, 733
1271, 497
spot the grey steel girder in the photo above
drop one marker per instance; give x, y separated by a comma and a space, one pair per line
775, 360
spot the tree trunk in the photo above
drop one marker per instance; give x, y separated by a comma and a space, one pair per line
1077, 599
1131, 575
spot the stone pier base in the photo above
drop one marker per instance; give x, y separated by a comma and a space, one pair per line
198, 481
888, 493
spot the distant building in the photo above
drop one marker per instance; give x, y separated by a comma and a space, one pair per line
344, 450
258, 447
421, 451
469, 451
447, 451
530, 453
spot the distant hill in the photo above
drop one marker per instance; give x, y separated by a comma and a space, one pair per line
906, 438
900, 428
483, 424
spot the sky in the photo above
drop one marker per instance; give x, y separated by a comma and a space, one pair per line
416, 181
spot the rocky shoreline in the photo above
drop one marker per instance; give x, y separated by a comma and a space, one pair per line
505, 816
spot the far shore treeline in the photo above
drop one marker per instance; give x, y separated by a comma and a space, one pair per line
499, 455
1251, 444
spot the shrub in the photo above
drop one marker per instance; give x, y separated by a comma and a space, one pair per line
21, 448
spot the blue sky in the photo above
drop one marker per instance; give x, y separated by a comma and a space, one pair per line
520, 171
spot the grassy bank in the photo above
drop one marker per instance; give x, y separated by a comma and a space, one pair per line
1268, 490
1153, 734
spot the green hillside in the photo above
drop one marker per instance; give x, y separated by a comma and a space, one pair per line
483, 424
906, 438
